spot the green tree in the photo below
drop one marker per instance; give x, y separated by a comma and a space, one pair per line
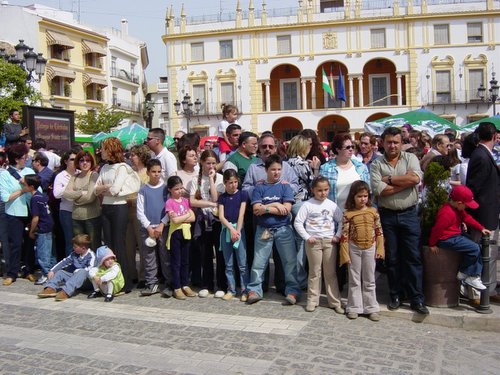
102, 120
14, 91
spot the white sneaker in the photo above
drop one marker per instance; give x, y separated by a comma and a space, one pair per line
475, 282
461, 276
219, 294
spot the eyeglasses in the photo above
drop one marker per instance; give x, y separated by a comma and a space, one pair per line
271, 147
71, 159
176, 138
350, 147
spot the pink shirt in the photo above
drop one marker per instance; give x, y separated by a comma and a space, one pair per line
180, 208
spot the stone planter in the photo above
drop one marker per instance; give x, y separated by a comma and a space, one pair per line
441, 287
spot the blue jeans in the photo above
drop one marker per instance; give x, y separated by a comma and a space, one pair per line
241, 258
285, 244
43, 252
179, 259
67, 227
16, 225
471, 264
4, 236
70, 281
301, 251
402, 253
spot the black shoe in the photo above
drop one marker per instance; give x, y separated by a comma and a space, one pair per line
420, 308
167, 292
108, 298
141, 284
94, 294
394, 304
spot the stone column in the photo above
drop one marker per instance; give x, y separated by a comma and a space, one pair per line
400, 94
304, 94
268, 96
351, 91
313, 93
360, 89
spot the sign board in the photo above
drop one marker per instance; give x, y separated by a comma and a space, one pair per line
56, 126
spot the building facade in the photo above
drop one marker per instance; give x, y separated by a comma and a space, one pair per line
87, 68
380, 58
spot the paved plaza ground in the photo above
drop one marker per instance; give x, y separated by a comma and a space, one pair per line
154, 335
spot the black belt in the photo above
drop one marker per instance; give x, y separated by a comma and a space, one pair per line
397, 211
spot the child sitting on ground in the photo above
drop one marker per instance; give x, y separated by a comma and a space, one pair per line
447, 234
107, 278
71, 272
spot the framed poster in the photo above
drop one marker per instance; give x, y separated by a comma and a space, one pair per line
55, 126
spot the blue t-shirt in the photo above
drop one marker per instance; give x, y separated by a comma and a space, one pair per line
267, 193
39, 207
232, 204
46, 177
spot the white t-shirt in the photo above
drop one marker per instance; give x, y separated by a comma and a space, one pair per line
322, 219
168, 163
205, 187
345, 179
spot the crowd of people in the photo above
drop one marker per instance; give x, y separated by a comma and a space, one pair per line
208, 221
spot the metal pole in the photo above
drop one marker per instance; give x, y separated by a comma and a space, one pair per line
484, 305
494, 106
188, 116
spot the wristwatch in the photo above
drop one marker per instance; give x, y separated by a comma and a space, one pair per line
267, 210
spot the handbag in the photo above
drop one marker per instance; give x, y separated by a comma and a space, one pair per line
132, 182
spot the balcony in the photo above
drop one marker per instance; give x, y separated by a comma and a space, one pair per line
125, 76
453, 97
162, 87
125, 105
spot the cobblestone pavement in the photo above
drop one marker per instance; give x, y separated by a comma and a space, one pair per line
154, 335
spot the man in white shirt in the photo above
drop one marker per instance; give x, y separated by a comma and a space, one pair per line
155, 140
39, 145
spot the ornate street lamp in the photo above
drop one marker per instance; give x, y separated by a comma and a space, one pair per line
493, 92
31, 62
187, 108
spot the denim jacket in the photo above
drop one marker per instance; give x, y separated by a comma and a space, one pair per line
330, 171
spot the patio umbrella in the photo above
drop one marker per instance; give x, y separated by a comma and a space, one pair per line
129, 135
473, 125
420, 119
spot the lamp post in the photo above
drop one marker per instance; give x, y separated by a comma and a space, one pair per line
31, 62
187, 108
493, 90
150, 111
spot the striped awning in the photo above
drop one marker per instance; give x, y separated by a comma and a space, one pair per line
89, 78
92, 47
55, 38
55, 71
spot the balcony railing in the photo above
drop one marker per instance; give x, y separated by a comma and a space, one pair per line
453, 97
126, 105
124, 75
293, 11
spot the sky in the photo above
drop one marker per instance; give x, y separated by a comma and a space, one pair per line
146, 18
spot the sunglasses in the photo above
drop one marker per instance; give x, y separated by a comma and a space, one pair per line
71, 159
271, 147
348, 148
150, 139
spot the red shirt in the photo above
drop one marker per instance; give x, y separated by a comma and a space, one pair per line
449, 223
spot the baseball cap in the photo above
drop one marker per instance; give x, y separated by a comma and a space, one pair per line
463, 194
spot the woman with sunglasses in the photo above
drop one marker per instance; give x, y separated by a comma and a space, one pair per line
86, 206
61, 181
343, 170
